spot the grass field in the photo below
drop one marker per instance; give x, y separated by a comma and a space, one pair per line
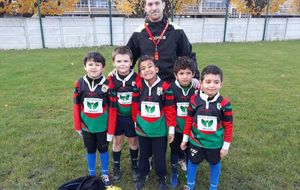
40, 150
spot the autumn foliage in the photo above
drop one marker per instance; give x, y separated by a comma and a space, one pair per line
30, 7
135, 8
256, 7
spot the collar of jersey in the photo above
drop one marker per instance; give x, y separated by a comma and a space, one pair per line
93, 86
183, 92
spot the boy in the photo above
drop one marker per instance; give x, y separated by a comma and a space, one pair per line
208, 127
154, 112
121, 86
91, 113
184, 71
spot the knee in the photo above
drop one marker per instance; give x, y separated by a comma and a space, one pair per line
103, 148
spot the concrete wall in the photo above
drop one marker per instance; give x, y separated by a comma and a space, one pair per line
24, 33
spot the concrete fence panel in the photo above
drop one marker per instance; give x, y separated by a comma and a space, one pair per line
25, 33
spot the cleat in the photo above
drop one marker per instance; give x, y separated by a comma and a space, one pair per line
105, 179
117, 175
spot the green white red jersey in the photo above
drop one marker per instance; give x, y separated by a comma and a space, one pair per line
121, 89
153, 109
182, 96
90, 109
210, 122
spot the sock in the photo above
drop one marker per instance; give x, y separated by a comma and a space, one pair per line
174, 162
104, 157
191, 175
215, 170
134, 157
91, 163
116, 159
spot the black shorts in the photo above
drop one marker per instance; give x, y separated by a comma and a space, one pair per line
94, 141
125, 125
196, 154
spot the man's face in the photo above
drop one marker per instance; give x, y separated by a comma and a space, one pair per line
154, 9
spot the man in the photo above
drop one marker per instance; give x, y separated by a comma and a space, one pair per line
165, 41
162, 39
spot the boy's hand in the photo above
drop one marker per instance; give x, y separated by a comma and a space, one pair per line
170, 138
79, 133
223, 152
183, 146
112, 73
195, 83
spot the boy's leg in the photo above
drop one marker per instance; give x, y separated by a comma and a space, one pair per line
175, 149
117, 149
191, 174
134, 151
215, 170
133, 144
214, 159
90, 143
159, 147
102, 145
195, 156
143, 164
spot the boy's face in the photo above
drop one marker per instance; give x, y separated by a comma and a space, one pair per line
122, 64
148, 71
93, 69
154, 9
211, 84
184, 77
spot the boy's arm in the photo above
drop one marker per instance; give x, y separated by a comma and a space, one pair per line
77, 107
189, 121
135, 99
227, 123
112, 111
169, 108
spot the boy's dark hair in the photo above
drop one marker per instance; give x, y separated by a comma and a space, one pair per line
144, 58
124, 50
94, 56
211, 69
184, 62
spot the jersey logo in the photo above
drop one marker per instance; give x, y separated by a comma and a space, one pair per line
92, 105
125, 97
207, 123
150, 109
104, 88
219, 106
182, 108
193, 151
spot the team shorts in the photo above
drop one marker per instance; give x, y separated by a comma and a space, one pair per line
125, 125
197, 154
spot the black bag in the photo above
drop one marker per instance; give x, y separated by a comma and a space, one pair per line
84, 183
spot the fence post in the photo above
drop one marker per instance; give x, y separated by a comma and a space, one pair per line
41, 24
172, 11
110, 23
266, 18
226, 18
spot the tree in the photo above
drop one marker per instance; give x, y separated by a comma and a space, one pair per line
47, 7
256, 7
293, 6
135, 8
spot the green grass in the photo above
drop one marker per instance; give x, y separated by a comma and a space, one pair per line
40, 150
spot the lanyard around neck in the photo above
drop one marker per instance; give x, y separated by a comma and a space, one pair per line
156, 42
